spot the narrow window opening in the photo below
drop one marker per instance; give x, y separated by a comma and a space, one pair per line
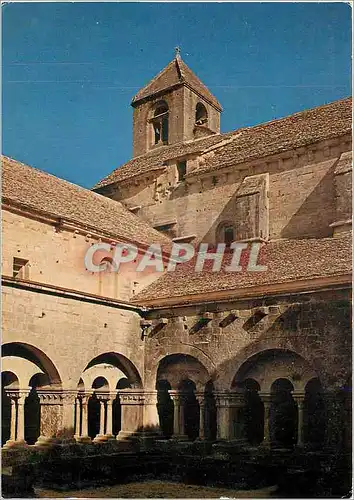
181, 170
201, 114
20, 268
160, 124
229, 235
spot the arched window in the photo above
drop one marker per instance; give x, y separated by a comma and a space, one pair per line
226, 233
201, 114
160, 123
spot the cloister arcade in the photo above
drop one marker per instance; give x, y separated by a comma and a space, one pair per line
274, 399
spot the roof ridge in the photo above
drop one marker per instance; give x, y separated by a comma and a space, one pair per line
297, 113
18, 179
154, 79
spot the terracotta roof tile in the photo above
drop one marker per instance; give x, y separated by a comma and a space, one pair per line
38, 190
153, 161
287, 260
297, 130
175, 73
300, 129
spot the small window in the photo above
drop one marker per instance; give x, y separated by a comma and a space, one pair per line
226, 233
20, 268
181, 170
229, 235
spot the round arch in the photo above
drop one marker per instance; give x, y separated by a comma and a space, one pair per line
225, 372
271, 364
184, 349
122, 363
178, 367
35, 356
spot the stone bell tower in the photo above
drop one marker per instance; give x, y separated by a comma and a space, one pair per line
174, 107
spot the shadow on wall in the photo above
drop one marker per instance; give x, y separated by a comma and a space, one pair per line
316, 213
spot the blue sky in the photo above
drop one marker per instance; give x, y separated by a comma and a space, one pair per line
71, 69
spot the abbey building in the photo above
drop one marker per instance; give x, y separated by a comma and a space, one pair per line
249, 358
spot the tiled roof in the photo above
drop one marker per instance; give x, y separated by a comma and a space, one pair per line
176, 73
300, 129
35, 189
294, 131
287, 261
154, 160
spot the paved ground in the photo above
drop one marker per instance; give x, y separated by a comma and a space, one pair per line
157, 489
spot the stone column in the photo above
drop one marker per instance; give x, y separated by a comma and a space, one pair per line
101, 435
299, 398
236, 412
84, 437
77, 417
66, 432
132, 408
151, 415
178, 415
13, 420
17, 425
223, 432
201, 400
109, 422
266, 399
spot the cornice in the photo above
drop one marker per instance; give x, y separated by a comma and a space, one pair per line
312, 285
48, 289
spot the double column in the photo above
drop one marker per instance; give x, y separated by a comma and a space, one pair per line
82, 415
106, 417
17, 424
267, 401
178, 399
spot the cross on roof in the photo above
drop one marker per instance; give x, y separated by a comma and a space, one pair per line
178, 51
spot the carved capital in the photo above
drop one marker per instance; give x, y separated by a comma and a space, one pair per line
150, 397
266, 398
18, 394
200, 397
129, 397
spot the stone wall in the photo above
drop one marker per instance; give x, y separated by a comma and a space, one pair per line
301, 194
315, 328
70, 331
56, 257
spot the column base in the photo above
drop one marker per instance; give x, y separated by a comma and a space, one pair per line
131, 435
180, 437
100, 438
265, 444
110, 437
83, 439
45, 442
11, 443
